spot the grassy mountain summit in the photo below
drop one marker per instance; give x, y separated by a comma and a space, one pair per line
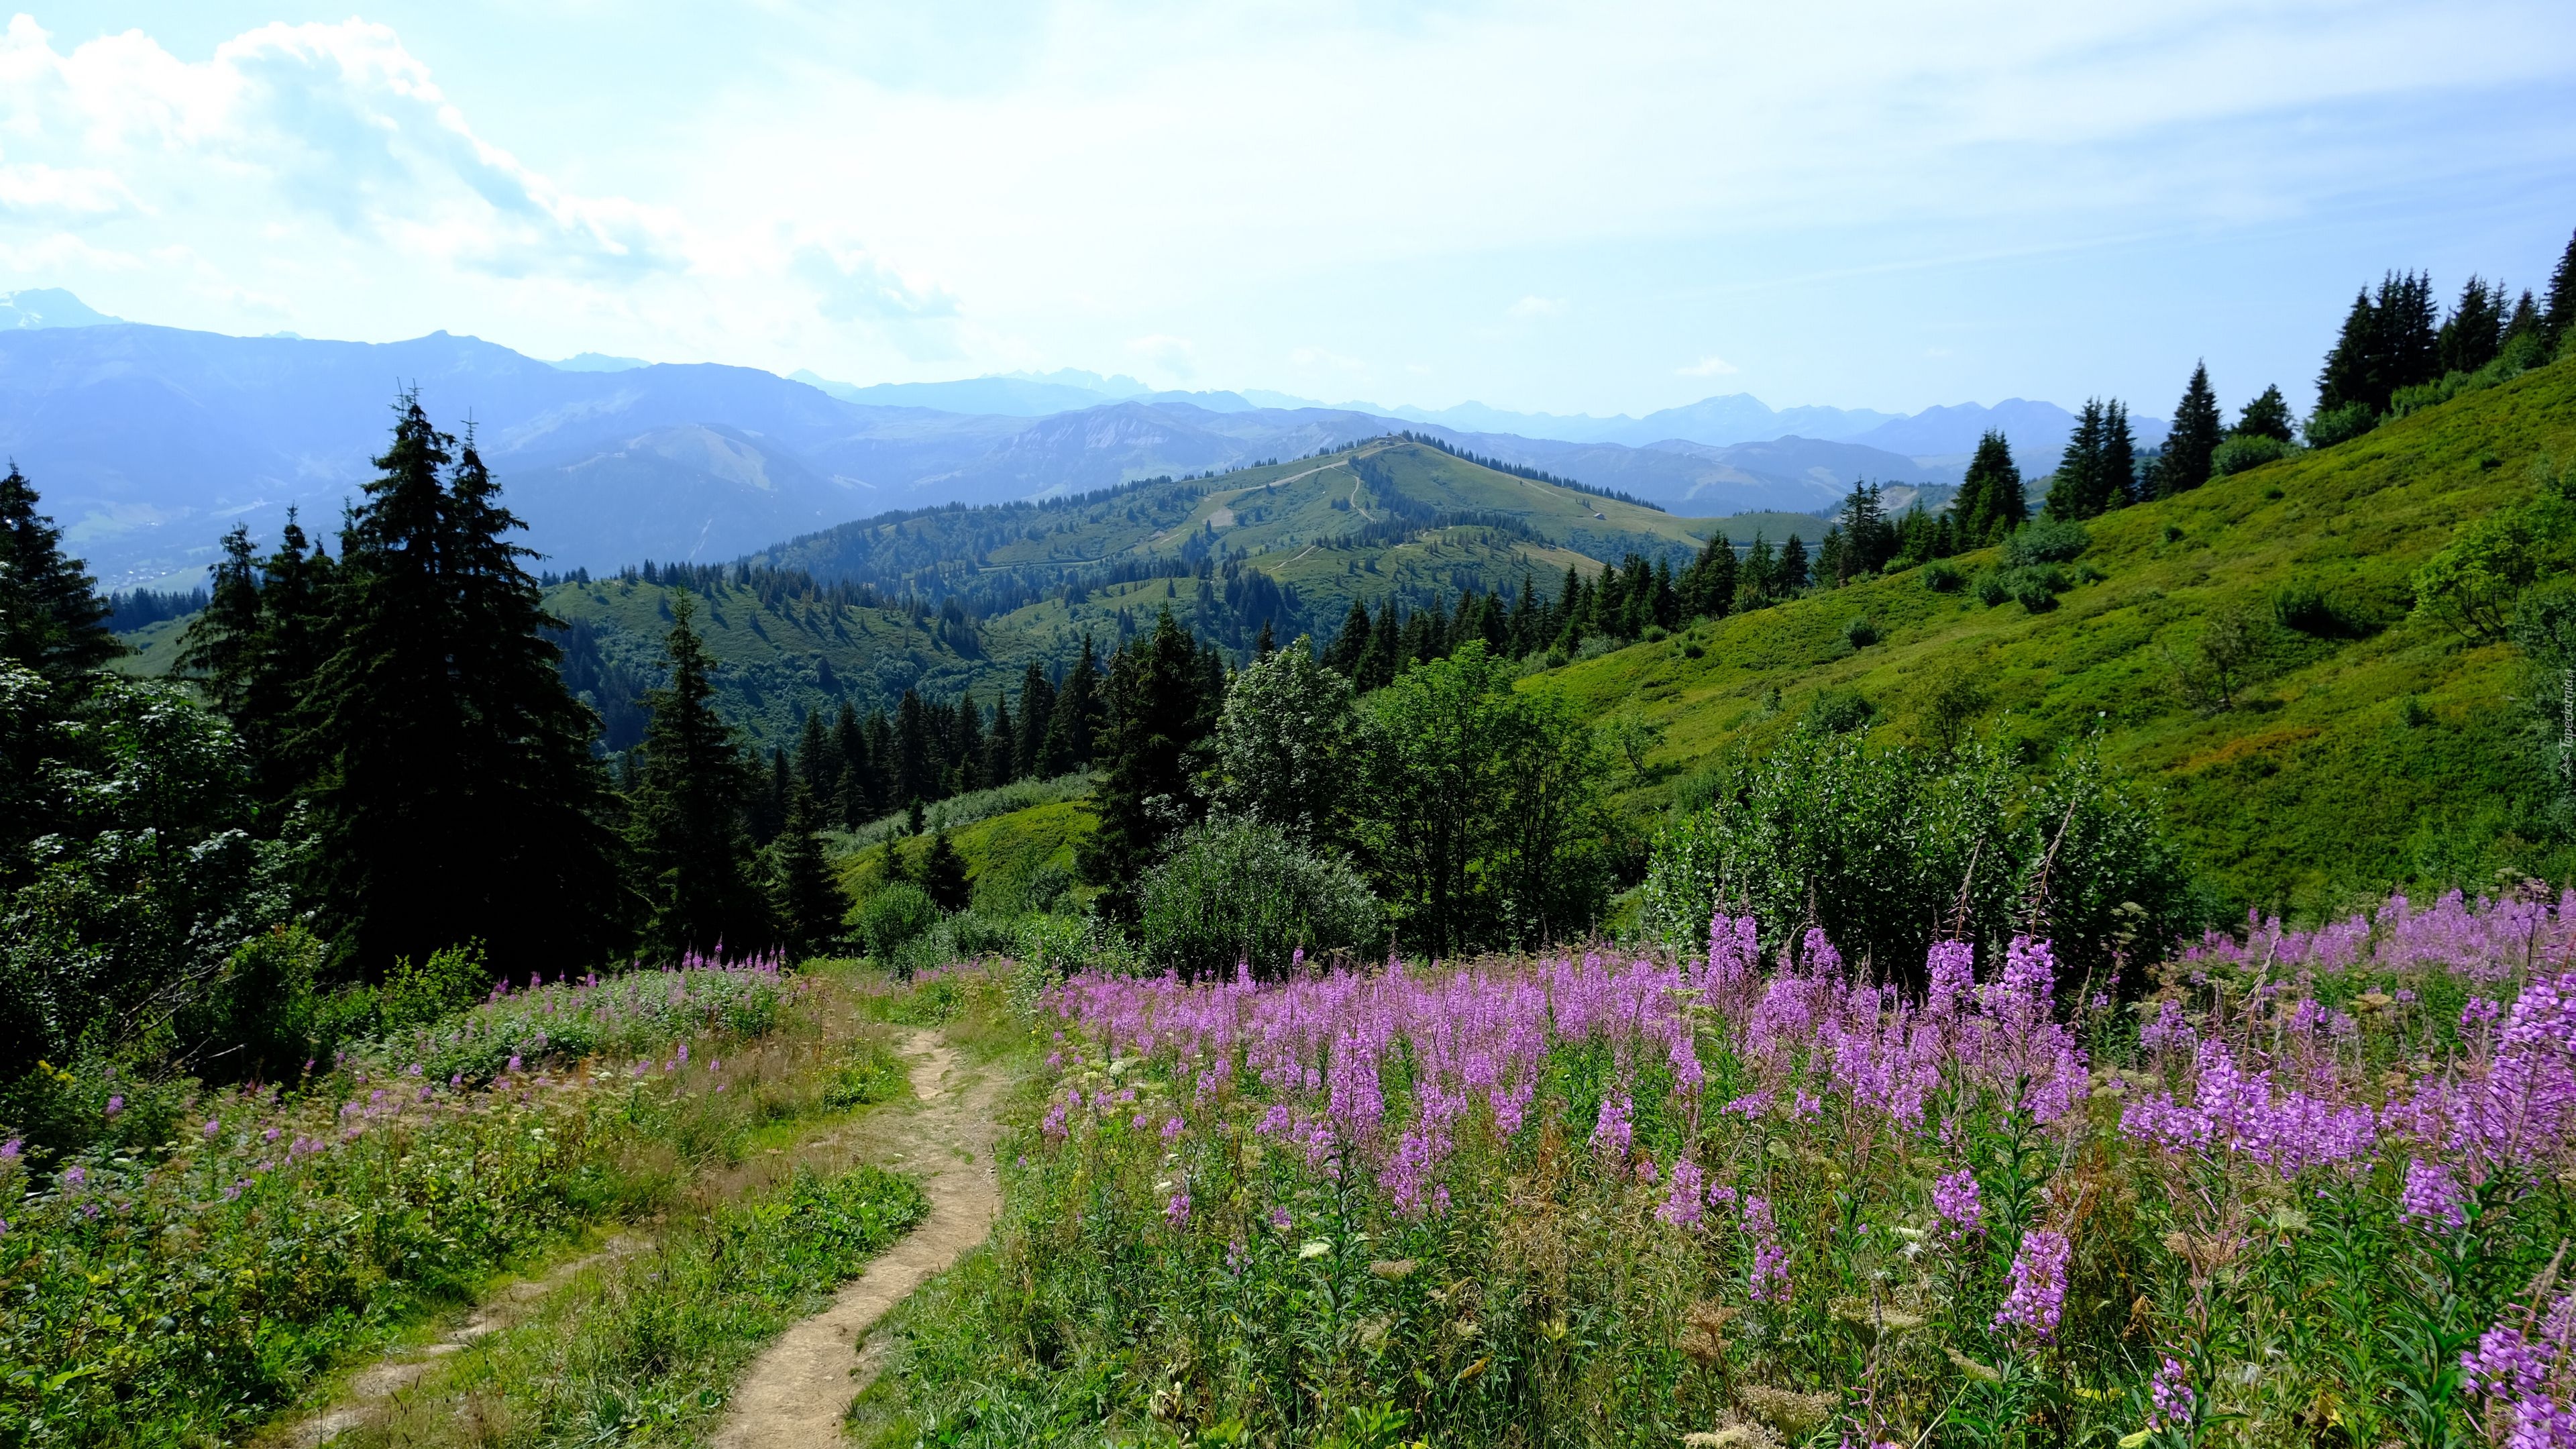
2249, 648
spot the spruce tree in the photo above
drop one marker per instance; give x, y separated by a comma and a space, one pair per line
916, 769
1001, 744
1385, 657
2267, 416
2119, 457
2561, 308
2474, 332
943, 875
1990, 502
1793, 578
1037, 704
1349, 649
2198, 428
855, 800
2347, 375
52, 620
455, 794
1073, 725
805, 898
2080, 490
1756, 584
1160, 716
686, 825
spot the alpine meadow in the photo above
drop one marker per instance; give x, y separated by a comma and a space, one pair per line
687, 902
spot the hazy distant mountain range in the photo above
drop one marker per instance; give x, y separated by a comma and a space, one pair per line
148, 442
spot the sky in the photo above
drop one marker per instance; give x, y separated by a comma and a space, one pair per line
1592, 207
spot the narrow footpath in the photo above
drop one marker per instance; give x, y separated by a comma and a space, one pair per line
795, 1393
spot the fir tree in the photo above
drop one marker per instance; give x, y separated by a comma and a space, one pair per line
1385, 657
1073, 725
2267, 416
455, 794
1159, 716
2081, 489
943, 875
966, 747
1037, 704
1708, 587
2197, 431
685, 824
805, 899
2119, 457
2346, 376
1755, 582
854, 799
2561, 308
1349, 649
1990, 502
2474, 332
916, 770
52, 620
1793, 578
1001, 744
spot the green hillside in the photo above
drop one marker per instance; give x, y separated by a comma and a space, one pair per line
2373, 747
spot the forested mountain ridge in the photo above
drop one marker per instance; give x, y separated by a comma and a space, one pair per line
2252, 649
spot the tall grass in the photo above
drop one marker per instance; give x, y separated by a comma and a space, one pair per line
2307, 1188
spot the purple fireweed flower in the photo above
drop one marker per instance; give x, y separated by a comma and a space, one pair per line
1612, 1133
1956, 1199
75, 1175
1172, 1130
2432, 1195
413, 1070
270, 1135
10, 1149
2036, 1295
213, 1126
513, 1067
1177, 1211
115, 1104
1681, 1206
1769, 1280
1952, 970
2527, 1374
1281, 1219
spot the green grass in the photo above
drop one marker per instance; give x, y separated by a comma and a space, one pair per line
646, 1348
2398, 755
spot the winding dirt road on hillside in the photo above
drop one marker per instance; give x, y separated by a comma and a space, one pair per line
795, 1393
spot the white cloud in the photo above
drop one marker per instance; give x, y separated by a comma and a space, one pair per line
1313, 357
1709, 366
1176, 356
1528, 307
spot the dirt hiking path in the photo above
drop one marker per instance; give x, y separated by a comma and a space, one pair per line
795, 1393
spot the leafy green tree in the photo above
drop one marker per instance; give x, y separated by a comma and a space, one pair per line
806, 899
1990, 502
455, 792
685, 822
1235, 890
51, 617
2197, 428
2267, 416
1160, 714
1481, 817
1287, 748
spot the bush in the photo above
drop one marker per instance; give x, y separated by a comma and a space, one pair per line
1991, 590
449, 981
2247, 450
2045, 541
1656, 634
1237, 890
2303, 606
1942, 578
2035, 588
2330, 426
892, 918
1860, 633
1838, 711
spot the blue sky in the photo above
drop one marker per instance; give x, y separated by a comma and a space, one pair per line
1592, 207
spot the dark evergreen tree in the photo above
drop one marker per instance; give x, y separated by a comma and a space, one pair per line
685, 822
966, 746
2119, 457
818, 765
1385, 657
1757, 582
1073, 726
943, 875
2347, 374
1350, 646
2198, 429
52, 620
1990, 503
455, 794
1267, 644
1160, 715
2474, 332
2388, 342
2526, 321
1708, 586
769, 802
256, 648
2081, 488
805, 899
854, 799
1792, 575
1037, 707
2267, 416
2561, 308
1001, 744
916, 768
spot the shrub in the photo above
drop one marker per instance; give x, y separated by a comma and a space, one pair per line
1238, 890
1860, 633
1992, 591
892, 918
449, 981
1838, 711
1596, 645
2045, 541
1943, 578
1691, 649
2247, 450
2303, 606
2331, 426
2035, 589
1656, 634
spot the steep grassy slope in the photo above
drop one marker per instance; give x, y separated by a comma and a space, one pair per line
2390, 752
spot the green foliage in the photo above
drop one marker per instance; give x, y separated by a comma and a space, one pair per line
894, 916
2248, 450
52, 620
2048, 541
1838, 711
2473, 582
1287, 747
942, 875
1483, 802
2328, 427
1860, 633
685, 824
1162, 705
874, 1074
2185, 462
1887, 849
805, 899
451, 980
1240, 890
